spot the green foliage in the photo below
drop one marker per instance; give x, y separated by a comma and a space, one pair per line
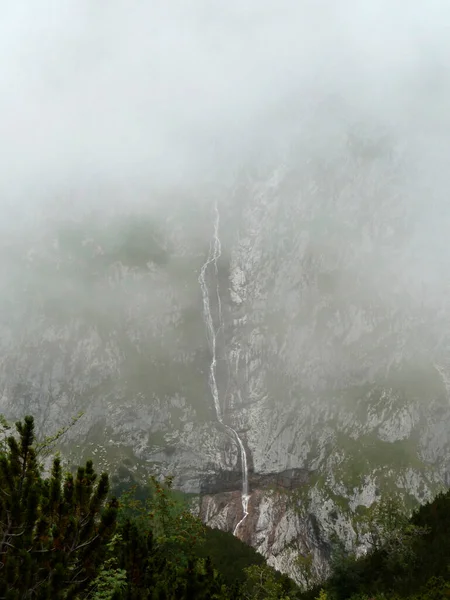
197, 561
387, 527
436, 588
228, 554
47, 446
409, 557
4, 433
369, 454
111, 582
52, 529
61, 538
176, 532
262, 584
304, 565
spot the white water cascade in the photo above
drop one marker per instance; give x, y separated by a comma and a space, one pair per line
215, 251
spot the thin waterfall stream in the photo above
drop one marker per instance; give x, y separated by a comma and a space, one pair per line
215, 251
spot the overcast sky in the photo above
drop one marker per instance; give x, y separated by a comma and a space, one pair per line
163, 90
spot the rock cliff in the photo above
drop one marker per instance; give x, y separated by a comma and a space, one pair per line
332, 344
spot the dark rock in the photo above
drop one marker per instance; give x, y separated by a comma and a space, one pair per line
229, 481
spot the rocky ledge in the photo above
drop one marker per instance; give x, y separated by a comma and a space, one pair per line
231, 481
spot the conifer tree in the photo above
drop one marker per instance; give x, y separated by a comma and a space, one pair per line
54, 529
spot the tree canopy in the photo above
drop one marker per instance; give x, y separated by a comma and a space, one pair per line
63, 536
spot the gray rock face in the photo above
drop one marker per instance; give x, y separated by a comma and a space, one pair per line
332, 345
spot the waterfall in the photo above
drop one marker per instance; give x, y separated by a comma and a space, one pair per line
215, 251
244, 493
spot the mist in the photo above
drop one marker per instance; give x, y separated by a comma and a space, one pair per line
166, 95
120, 108
224, 238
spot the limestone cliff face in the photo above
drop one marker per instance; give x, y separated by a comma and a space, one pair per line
276, 528
276, 524
336, 359
332, 346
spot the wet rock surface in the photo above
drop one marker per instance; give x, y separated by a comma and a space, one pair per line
332, 352
229, 481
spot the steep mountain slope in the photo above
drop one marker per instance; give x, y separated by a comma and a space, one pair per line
336, 354
330, 343
411, 562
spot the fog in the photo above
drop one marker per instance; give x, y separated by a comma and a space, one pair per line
165, 94
120, 124
126, 106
